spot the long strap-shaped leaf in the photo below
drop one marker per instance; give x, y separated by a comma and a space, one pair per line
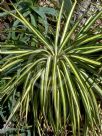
46, 78
72, 112
12, 59
98, 89
40, 36
25, 104
32, 82
68, 22
72, 92
89, 23
28, 25
92, 101
92, 70
20, 101
68, 36
14, 77
10, 65
54, 88
62, 94
86, 60
70, 85
83, 90
42, 90
93, 51
23, 51
10, 88
90, 39
89, 47
58, 27
87, 50
14, 52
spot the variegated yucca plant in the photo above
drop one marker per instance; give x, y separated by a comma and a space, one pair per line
59, 77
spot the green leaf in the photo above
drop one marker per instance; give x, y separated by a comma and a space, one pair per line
62, 94
86, 59
67, 5
58, 27
10, 65
68, 22
83, 90
73, 96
